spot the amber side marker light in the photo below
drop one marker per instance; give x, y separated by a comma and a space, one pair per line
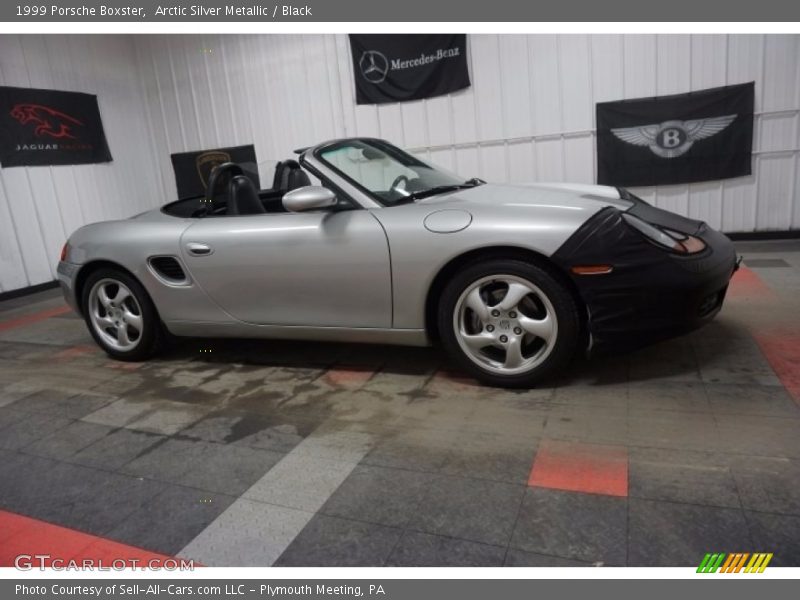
592, 269
64, 251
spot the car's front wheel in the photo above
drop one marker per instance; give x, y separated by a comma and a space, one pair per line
120, 315
509, 322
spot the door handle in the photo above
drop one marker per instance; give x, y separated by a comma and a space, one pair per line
196, 249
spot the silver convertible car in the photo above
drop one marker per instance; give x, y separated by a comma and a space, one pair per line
512, 280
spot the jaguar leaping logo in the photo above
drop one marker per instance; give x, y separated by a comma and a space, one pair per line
47, 121
374, 66
671, 139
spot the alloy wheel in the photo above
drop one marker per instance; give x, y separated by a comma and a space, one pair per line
116, 315
505, 324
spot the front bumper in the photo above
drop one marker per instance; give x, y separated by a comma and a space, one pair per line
67, 273
650, 294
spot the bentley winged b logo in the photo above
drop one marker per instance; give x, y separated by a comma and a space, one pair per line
671, 139
374, 66
46, 120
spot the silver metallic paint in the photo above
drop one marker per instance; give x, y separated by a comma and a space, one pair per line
310, 197
353, 275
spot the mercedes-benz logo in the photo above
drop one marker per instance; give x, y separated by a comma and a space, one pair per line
374, 66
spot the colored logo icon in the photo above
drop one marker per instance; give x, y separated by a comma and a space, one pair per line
735, 562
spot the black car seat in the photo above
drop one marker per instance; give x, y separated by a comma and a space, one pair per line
289, 176
243, 197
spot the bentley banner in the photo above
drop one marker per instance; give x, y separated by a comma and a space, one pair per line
193, 168
48, 127
395, 68
698, 136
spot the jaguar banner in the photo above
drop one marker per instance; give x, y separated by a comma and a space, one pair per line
396, 68
49, 127
192, 169
697, 136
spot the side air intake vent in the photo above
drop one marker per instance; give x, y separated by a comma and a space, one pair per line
168, 268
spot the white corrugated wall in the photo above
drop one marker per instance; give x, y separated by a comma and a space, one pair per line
529, 115
41, 206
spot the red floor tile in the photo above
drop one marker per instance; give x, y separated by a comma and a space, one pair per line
782, 350
578, 467
75, 351
21, 535
33, 318
454, 381
349, 377
746, 284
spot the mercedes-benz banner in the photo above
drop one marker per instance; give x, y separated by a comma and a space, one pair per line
396, 68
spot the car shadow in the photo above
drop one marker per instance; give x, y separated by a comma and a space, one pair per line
679, 358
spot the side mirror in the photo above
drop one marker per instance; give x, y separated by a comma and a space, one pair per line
310, 197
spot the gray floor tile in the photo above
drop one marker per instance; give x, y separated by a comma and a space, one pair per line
681, 476
23, 477
379, 495
417, 549
614, 396
67, 441
116, 449
59, 332
676, 430
520, 558
73, 496
307, 476
151, 415
10, 416
29, 430
331, 541
229, 469
169, 460
496, 457
11, 392
470, 509
583, 527
265, 431
594, 425
66, 404
758, 400
416, 449
300, 482
766, 263
106, 500
682, 396
768, 484
759, 436
170, 520
667, 534
779, 534
43, 400
247, 534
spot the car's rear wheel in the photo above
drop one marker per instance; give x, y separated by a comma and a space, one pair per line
508, 322
120, 315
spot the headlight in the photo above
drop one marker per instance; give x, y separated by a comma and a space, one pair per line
666, 238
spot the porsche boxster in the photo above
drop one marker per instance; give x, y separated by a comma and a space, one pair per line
360, 241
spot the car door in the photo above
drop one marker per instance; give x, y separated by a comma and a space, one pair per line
321, 268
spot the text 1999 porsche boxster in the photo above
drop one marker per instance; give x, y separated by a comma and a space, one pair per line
513, 280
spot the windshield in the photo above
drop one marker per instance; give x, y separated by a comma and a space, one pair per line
390, 175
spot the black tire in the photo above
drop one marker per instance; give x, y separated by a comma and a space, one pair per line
152, 336
567, 338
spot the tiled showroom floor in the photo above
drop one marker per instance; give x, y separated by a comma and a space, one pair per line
275, 453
